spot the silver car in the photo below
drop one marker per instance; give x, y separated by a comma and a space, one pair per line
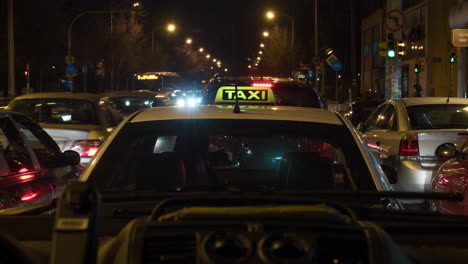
405, 133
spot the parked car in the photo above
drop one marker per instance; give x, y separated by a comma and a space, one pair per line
360, 111
32, 167
77, 122
452, 176
405, 133
127, 102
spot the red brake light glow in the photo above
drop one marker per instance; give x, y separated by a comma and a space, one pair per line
86, 148
262, 84
28, 197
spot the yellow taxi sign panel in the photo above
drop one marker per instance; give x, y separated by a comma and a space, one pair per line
245, 94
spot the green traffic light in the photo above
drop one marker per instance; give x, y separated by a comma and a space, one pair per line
416, 70
452, 60
391, 53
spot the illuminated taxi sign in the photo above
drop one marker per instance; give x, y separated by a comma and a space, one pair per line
245, 94
147, 77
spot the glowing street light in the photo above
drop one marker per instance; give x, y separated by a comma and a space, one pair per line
211, 67
208, 56
329, 51
258, 58
270, 15
262, 45
260, 52
136, 4
214, 60
171, 28
225, 69
188, 41
250, 66
256, 64
266, 34
201, 50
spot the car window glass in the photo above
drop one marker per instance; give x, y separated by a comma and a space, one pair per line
385, 118
46, 153
440, 116
372, 121
115, 113
57, 111
107, 115
13, 147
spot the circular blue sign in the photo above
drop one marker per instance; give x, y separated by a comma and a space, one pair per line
70, 69
336, 65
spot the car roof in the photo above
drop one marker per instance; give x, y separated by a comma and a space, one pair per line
263, 112
82, 96
432, 100
131, 93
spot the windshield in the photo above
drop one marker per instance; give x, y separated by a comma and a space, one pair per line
129, 104
57, 111
246, 154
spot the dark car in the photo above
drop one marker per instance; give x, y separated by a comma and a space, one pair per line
359, 111
127, 102
261, 91
32, 167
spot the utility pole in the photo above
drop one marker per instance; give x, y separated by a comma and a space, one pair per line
11, 52
316, 38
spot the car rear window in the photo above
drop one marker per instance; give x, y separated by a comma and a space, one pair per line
438, 116
129, 104
57, 111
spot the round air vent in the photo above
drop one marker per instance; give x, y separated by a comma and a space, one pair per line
284, 248
227, 248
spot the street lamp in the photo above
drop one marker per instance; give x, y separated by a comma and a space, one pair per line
258, 58
260, 52
188, 41
214, 60
201, 50
226, 70
262, 45
328, 51
171, 27
208, 56
270, 15
266, 34
136, 4
250, 66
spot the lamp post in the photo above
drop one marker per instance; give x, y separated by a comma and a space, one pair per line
270, 15
170, 28
69, 42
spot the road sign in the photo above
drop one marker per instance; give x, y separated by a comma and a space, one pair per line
394, 20
460, 37
69, 59
84, 68
337, 65
70, 69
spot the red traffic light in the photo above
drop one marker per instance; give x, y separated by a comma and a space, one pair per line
26, 73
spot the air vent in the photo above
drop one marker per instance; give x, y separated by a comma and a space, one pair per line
169, 249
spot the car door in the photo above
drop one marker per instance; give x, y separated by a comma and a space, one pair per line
383, 134
47, 155
18, 166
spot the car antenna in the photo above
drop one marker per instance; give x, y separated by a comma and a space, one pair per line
236, 107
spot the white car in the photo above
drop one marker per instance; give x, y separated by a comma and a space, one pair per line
261, 148
76, 121
405, 133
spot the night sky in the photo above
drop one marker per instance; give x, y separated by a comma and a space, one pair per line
230, 30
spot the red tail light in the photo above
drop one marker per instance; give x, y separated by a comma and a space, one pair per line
86, 148
28, 196
262, 84
409, 147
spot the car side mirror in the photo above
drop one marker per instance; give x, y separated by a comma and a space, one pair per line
391, 173
70, 157
447, 151
362, 127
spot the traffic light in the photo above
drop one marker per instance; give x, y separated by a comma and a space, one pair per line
26, 73
387, 49
401, 48
416, 68
452, 57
